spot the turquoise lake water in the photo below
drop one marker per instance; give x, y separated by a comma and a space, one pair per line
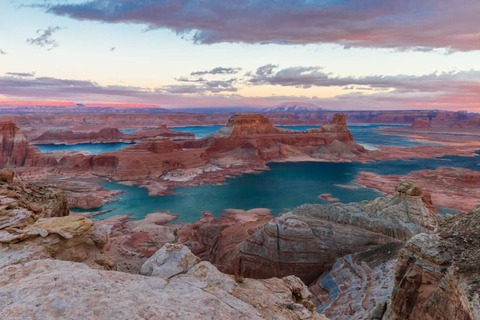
91, 148
283, 187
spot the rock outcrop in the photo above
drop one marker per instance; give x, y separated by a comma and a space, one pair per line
219, 240
252, 138
307, 241
437, 274
34, 224
176, 285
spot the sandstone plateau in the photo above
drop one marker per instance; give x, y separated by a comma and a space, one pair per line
454, 188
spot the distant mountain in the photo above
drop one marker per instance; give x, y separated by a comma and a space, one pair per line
226, 109
293, 107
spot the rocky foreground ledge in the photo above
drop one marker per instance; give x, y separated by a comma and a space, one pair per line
175, 285
56, 266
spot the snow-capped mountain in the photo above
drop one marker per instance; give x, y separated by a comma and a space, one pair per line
293, 107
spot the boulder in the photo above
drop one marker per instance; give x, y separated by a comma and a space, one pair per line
169, 261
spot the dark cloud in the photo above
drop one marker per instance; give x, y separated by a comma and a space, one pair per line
21, 74
45, 38
2, 52
112, 49
421, 25
216, 71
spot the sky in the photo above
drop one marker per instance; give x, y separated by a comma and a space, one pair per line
335, 54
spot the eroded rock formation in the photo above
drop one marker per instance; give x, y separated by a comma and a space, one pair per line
219, 240
455, 188
359, 285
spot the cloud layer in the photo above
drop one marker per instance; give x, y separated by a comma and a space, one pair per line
455, 90
400, 24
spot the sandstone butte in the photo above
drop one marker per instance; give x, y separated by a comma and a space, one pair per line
420, 123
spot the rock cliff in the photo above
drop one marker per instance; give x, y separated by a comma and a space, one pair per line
219, 240
358, 286
15, 150
437, 274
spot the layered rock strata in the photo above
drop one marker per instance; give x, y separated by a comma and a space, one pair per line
359, 285
219, 240
307, 241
